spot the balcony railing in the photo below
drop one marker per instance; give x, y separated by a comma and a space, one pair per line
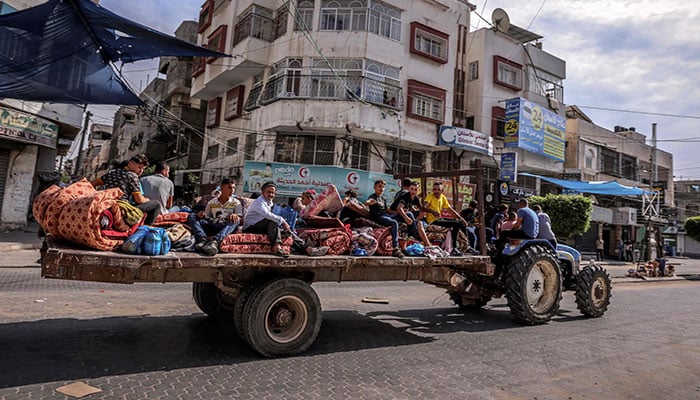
333, 88
255, 26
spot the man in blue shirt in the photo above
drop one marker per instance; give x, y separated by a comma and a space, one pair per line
526, 227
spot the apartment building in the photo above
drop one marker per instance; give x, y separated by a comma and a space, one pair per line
362, 84
504, 64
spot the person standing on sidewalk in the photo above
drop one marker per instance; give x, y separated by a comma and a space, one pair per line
599, 246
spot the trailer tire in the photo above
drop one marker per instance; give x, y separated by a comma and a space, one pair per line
282, 317
239, 308
533, 285
593, 291
211, 300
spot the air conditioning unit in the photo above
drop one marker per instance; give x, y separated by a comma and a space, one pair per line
624, 216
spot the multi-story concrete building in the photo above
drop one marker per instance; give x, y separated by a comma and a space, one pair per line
171, 127
504, 63
95, 161
594, 153
687, 204
32, 136
360, 84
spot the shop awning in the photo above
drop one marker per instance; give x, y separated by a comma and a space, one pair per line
612, 188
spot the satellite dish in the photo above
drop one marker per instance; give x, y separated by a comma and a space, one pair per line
500, 20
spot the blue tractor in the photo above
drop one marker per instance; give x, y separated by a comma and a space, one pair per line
532, 275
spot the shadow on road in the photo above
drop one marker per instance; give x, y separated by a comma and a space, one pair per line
70, 349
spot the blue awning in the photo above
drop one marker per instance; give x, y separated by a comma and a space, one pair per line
612, 188
63, 51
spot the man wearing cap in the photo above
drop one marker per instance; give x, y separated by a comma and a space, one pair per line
127, 179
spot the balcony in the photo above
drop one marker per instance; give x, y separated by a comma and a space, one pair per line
329, 87
255, 26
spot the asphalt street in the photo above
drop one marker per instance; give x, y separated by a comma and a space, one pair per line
150, 341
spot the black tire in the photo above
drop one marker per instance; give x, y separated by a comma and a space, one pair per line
478, 303
593, 291
282, 317
211, 300
239, 307
533, 285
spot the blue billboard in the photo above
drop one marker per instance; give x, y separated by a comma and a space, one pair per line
530, 127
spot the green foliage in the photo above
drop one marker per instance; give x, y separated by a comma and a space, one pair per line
692, 228
570, 214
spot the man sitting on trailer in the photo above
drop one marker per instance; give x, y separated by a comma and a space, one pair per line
434, 204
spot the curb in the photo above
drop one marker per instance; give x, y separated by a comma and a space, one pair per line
4, 247
625, 280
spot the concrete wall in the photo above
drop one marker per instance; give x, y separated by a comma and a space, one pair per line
18, 196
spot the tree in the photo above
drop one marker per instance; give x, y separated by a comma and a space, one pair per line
570, 214
692, 228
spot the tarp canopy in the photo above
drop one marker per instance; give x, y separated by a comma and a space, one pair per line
63, 51
606, 187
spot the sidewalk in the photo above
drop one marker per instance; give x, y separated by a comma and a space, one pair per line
22, 239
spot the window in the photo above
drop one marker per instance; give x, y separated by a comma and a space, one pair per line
473, 70
304, 15
445, 160
428, 42
425, 102
279, 24
385, 20
213, 112
254, 96
355, 15
205, 17
628, 167
231, 146
234, 103
250, 145
284, 80
217, 42
213, 152
545, 84
305, 149
198, 65
507, 73
609, 162
590, 158
255, 21
360, 154
498, 122
403, 161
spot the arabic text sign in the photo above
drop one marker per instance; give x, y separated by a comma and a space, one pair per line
27, 128
294, 179
530, 127
465, 139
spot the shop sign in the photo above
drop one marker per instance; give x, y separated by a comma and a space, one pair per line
22, 127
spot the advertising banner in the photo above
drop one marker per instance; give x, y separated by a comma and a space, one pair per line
465, 193
294, 179
27, 128
530, 127
509, 167
467, 139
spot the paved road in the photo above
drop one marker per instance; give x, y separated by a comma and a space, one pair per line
150, 341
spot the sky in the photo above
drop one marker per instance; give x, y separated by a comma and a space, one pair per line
629, 63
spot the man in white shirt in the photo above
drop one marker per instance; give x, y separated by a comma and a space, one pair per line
221, 217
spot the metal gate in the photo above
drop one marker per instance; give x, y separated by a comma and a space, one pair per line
4, 165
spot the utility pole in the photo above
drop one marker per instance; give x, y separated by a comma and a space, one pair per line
84, 133
653, 177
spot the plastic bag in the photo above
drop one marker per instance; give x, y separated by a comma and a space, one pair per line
132, 245
156, 242
415, 249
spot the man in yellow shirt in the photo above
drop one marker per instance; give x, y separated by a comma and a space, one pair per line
433, 205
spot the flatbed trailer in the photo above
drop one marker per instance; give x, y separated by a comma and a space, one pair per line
269, 298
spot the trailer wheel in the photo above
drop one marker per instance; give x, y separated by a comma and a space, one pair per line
593, 291
533, 285
282, 317
211, 300
477, 305
239, 307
